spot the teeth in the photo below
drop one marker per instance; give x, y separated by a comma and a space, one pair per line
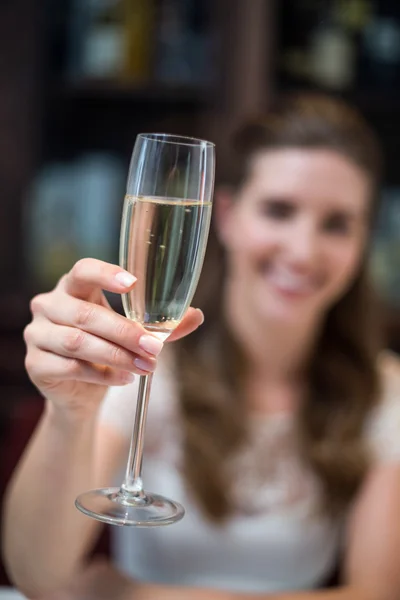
291, 282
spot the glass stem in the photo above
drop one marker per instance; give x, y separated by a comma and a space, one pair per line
133, 484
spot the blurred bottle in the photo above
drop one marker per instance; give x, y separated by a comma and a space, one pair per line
73, 211
354, 15
385, 258
103, 54
139, 36
50, 248
96, 39
112, 39
184, 43
381, 50
335, 44
100, 190
332, 52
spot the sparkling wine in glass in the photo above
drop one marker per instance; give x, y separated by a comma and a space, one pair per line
165, 224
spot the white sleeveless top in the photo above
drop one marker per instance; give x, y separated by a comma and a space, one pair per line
276, 540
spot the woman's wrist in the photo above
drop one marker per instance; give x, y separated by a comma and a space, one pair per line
68, 420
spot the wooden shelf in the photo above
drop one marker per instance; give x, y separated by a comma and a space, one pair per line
115, 90
372, 100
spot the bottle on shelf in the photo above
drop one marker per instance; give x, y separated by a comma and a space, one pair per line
332, 60
139, 36
103, 52
381, 50
184, 43
96, 45
73, 210
112, 39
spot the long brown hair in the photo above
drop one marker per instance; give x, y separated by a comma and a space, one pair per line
342, 374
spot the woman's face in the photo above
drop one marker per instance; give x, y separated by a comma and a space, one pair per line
296, 232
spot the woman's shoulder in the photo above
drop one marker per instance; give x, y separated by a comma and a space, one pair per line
383, 425
389, 376
389, 367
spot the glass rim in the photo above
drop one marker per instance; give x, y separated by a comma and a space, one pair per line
171, 138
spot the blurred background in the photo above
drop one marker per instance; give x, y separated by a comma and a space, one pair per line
80, 78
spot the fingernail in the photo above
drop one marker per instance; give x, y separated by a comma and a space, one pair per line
151, 344
144, 365
202, 315
126, 279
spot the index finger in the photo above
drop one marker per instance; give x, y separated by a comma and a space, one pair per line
89, 274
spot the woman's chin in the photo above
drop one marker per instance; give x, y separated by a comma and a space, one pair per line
284, 310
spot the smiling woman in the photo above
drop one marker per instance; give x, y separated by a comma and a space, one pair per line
297, 232
274, 423
292, 235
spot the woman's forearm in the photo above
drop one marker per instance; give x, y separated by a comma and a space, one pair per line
150, 592
342, 593
96, 581
45, 536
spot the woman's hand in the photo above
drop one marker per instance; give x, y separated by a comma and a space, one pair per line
77, 345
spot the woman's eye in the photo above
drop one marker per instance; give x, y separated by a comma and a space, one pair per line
277, 209
337, 224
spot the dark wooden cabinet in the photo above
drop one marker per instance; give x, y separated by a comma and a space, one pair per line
20, 51
20, 117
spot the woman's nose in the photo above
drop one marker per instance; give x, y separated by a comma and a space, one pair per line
302, 243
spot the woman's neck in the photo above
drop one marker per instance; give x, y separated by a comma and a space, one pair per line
276, 351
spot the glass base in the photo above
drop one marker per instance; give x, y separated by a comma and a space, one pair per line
116, 506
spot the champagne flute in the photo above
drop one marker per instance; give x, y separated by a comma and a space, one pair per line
165, 225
